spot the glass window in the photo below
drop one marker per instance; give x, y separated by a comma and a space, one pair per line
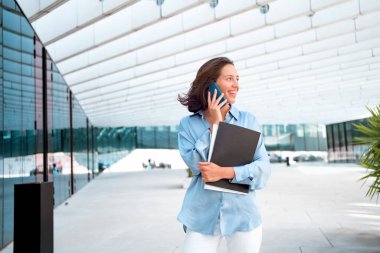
12, 40
27, 58
12, 54
299, 140
162, 137
10, 3
12, 77
27, 70
13, 67
27, 44
12, 21
26, 28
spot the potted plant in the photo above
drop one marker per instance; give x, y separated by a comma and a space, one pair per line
371, 158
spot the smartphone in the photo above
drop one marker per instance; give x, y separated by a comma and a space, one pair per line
213, 86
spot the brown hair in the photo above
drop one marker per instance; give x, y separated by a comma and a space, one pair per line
196, 98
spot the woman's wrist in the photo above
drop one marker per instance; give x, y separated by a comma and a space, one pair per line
229, 173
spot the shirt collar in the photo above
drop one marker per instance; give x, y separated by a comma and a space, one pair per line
233, 111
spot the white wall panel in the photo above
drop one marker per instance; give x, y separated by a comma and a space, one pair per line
291, 41
29, 7
251, 38
73, 64
275, 57
227, 7
292, 26
47, 26
88, 9
183, 69
114, 4
308, 58
113, 26
197, 16
157, 31
329, 43
109, 50
161, 49
74, 43
207, 34
144, 12
369, 5
368, 20
370, 33
247, 52
116, 64
171, 7
332, 30
282, 10
154, 66
336, 13
367, 44
247, 21
202, 52
321, 4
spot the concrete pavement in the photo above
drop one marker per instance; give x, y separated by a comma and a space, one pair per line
307, 208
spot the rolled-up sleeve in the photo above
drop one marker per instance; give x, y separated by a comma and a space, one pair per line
193, 149
256, 173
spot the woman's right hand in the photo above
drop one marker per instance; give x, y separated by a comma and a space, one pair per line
214, 115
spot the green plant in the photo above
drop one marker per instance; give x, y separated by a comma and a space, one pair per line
189, 172
371, 158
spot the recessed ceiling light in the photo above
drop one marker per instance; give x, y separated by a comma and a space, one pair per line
213, 3
264, 9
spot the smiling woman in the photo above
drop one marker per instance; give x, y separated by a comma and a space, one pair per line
209, 215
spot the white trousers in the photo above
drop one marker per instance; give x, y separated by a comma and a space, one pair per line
241, 242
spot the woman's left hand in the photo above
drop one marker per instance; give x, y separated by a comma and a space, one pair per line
211, 172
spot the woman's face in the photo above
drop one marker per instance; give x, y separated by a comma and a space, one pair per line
228, 82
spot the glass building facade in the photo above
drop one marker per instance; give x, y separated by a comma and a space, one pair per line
295, 137
340, 142
40, 120
115, 143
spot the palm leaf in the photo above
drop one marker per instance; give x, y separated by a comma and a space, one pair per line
371, 159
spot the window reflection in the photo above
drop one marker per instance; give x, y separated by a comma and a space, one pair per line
21, 132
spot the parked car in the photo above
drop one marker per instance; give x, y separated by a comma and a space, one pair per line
274, 158
307, 158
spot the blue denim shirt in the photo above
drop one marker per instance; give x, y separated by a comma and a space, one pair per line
203, 209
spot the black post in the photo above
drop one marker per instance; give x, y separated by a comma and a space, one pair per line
71, 143
45, 117
88, 149
93, 151
33, 232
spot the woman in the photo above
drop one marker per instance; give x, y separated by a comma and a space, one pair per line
208, 215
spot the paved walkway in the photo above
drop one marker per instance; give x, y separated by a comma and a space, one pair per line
306, 209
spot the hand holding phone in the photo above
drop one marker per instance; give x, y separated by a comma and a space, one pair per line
216, 101
213, 86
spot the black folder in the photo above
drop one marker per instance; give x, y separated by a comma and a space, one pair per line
234, 146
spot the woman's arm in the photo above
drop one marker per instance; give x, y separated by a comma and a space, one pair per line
193, 150
256, 173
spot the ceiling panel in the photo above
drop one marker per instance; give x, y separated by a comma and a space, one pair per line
304, 61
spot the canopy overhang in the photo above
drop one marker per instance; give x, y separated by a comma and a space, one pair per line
304, 61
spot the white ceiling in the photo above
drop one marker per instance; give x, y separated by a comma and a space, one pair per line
305, 61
